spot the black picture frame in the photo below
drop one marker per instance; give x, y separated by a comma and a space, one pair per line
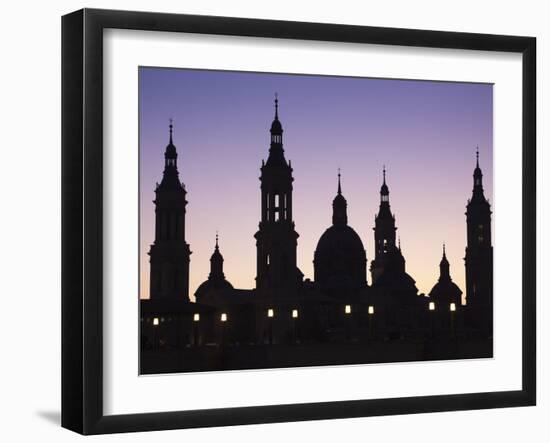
82, 215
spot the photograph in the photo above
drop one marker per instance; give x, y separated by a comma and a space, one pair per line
291, 220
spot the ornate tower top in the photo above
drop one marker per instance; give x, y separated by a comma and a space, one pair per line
216, 262
477, 192
276, 151
384, 211
170, 178
384, 190
444, 271
339, 206
276, 127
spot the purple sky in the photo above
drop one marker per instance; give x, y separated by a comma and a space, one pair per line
424, 132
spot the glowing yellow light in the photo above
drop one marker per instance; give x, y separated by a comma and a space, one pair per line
371, 310
295, 313
452, 307
270, 313
155, 321
196, 317
223, 317
347, 309
431, 306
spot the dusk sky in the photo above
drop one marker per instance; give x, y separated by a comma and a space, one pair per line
425, 133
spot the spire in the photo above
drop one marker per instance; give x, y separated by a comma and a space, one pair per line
170, 178
216, 262
339, 206
171, 129
444, 273
170, 153
384, 190
276, 127
477, 193
276, 152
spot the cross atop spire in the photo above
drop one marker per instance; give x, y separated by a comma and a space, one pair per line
171, 126
339, 184
276, 106
217, 240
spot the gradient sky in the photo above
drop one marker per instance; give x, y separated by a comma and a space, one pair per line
425, 133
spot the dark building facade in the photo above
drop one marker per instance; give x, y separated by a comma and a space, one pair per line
169, 255
338, 309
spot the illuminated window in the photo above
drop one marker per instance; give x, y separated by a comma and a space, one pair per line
452, 307
155, 321
223, 317
196, 317
270, 313
371, 310
347, 309
431, 306
295, 313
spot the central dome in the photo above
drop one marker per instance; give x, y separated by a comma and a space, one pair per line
340, 259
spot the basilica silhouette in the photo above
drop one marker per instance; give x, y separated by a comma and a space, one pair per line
286, 320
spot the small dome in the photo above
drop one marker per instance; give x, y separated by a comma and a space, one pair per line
446, 291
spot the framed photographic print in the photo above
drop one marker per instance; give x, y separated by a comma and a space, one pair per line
269, 221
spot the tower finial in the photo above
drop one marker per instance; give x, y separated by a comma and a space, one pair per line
276, 106
171, 129
217, 240
477, 156
339, 184
384, 173
444, 250
399, 243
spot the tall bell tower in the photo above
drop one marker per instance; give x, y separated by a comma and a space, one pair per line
169, 255
479, 249
276, 239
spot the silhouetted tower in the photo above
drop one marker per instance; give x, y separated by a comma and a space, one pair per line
479, 249
276, 239
384, 232
169, 254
